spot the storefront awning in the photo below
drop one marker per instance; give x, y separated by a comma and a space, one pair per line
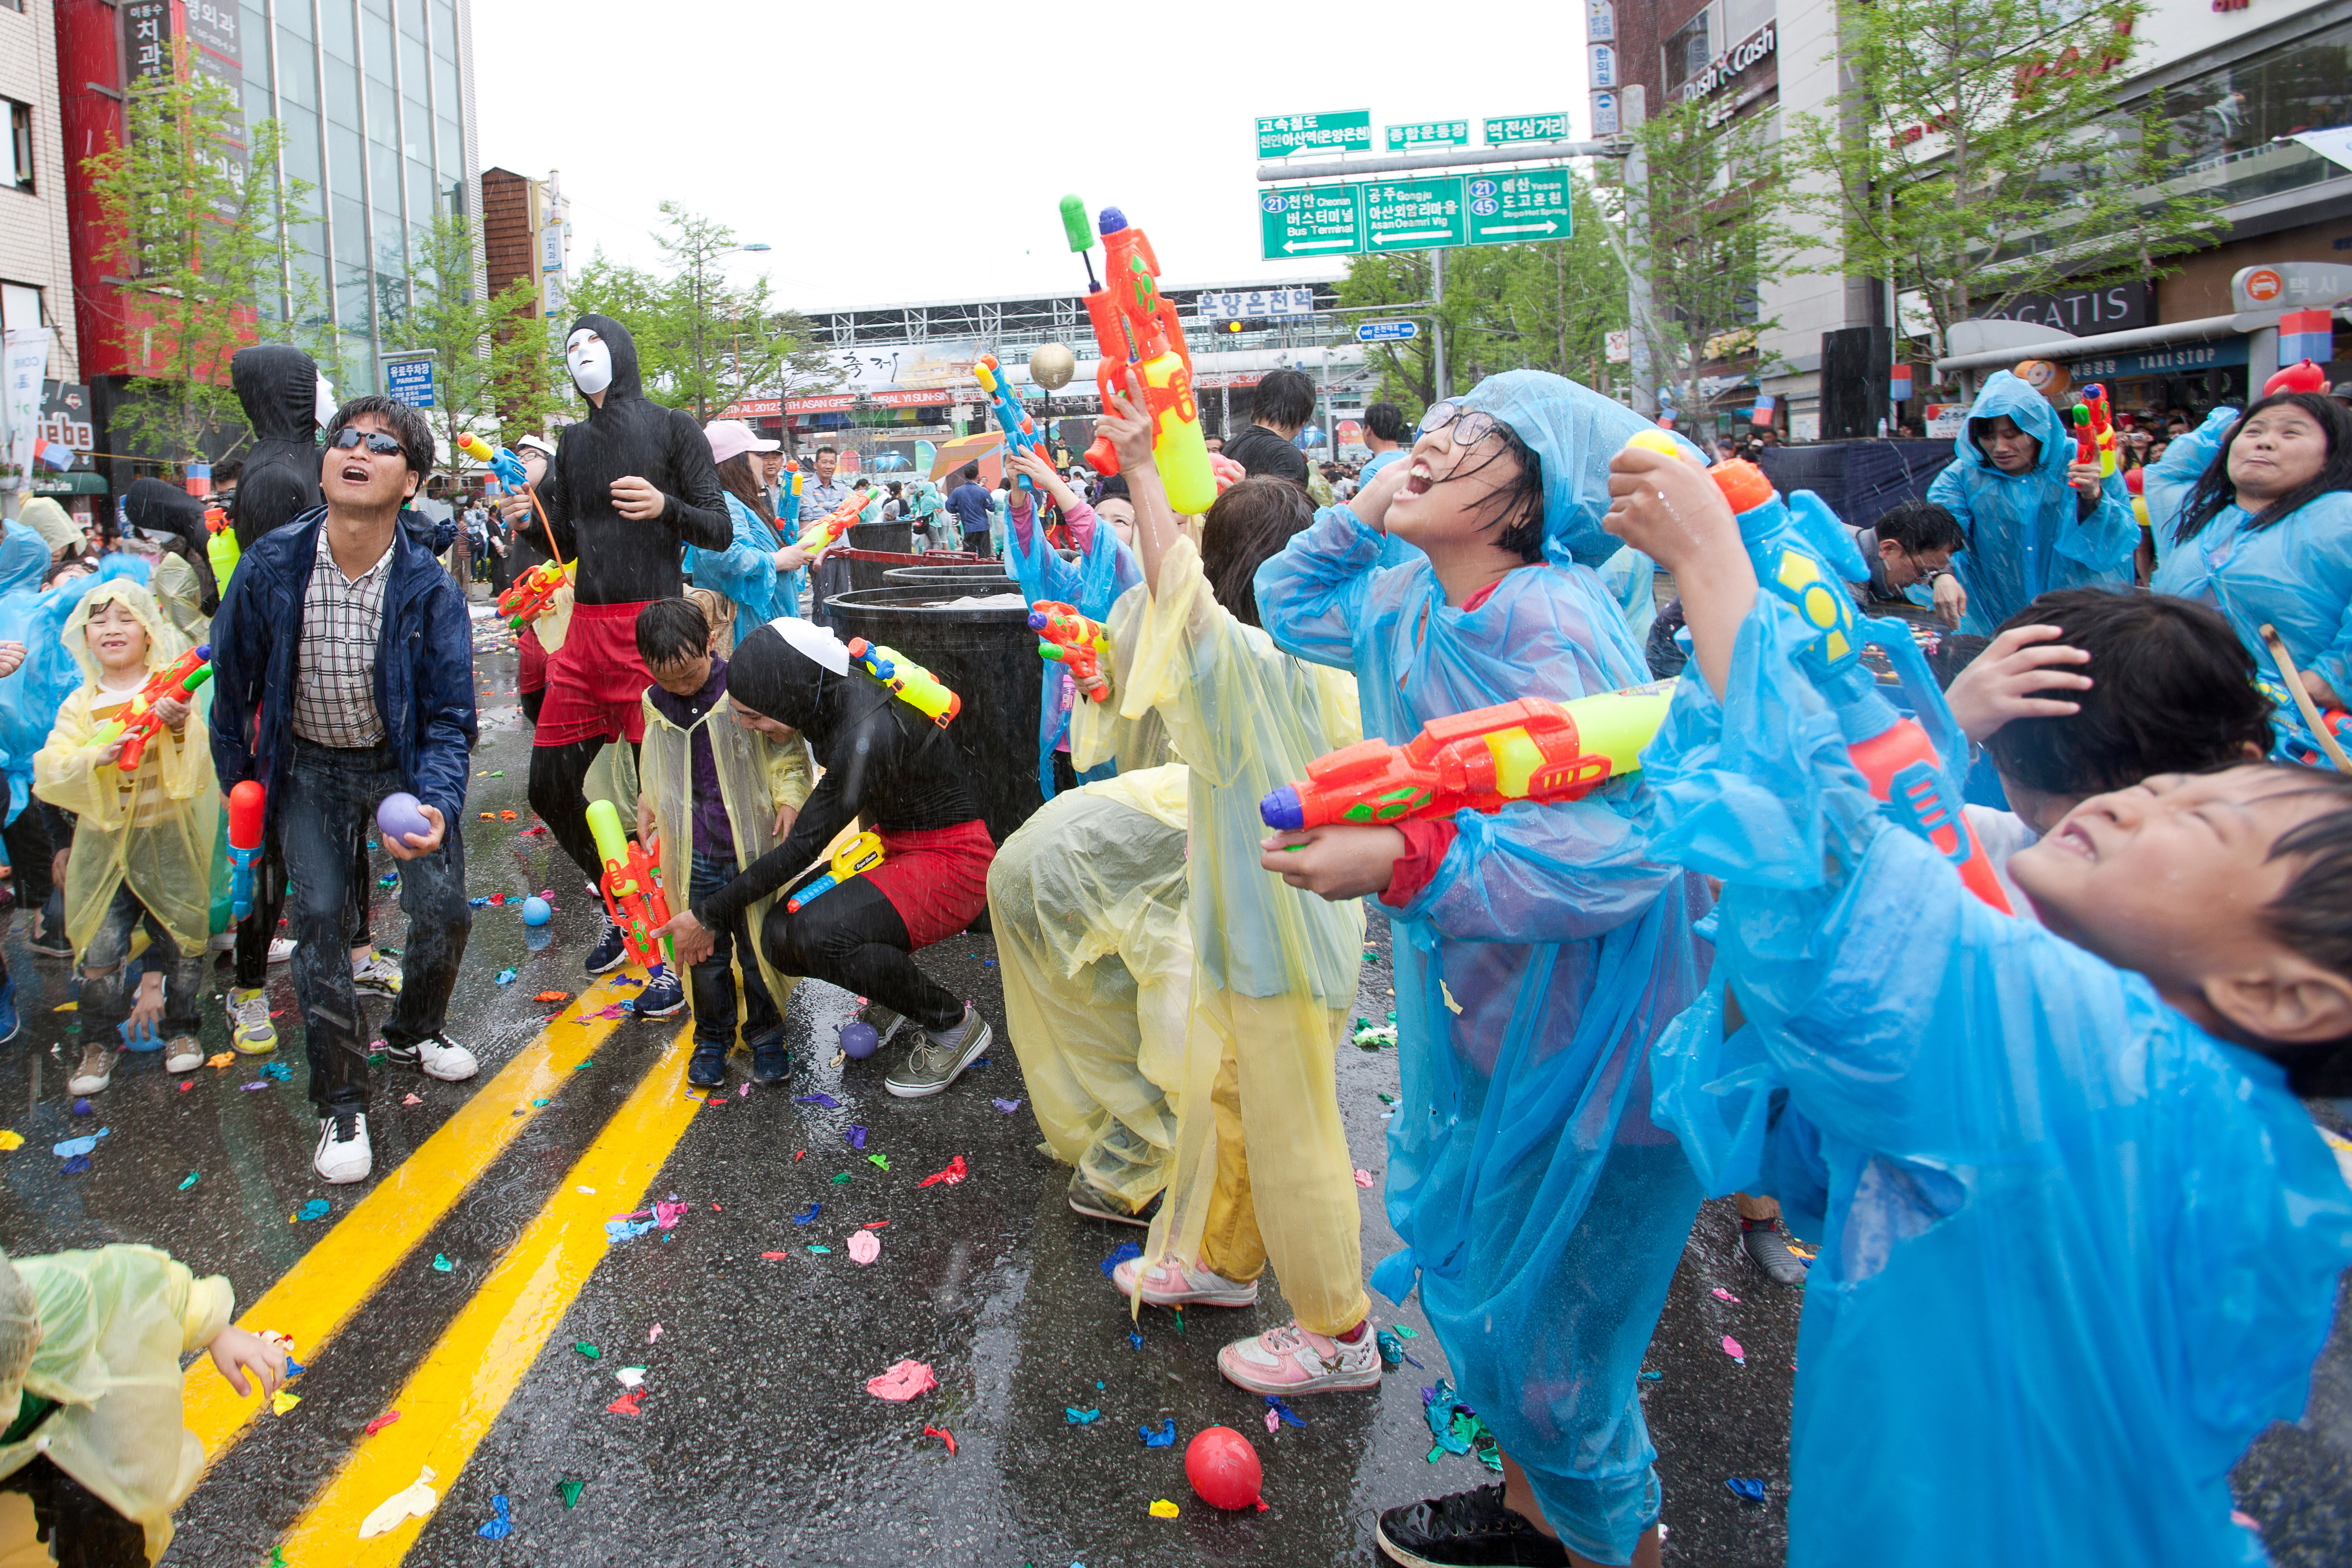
2098, 345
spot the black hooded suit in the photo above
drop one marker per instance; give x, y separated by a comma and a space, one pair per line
279, 386
622, 562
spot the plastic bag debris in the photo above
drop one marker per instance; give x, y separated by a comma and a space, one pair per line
1125, 1250
903, 1382
501, 1527
1163, 1439
1746, 1489
951, 1175
417, 1500
863, 1248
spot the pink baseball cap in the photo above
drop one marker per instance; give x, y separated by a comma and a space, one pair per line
732, 438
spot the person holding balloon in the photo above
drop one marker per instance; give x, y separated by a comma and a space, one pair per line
343, 684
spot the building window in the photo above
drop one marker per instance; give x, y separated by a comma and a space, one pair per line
20, 144
1686, 53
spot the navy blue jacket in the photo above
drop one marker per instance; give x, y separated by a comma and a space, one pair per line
424, 666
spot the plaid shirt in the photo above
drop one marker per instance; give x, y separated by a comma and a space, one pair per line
342, 622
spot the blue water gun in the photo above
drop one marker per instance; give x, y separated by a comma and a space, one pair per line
501, 460
1804, 557
1021, 432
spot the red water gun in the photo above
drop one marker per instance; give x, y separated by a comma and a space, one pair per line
2103, 427
527, 599
2304, 377
137, 724
245, 814
1076, 641
2086, 442
1136, 327
631, 887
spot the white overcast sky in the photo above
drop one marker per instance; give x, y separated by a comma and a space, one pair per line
910, 150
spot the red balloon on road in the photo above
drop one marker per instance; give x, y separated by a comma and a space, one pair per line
1223, 1468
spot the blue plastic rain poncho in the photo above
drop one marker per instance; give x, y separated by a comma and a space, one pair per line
2075, 1253
2294, 574
1541, 1209
30, 698
1105, 570
24, 559
2165, 483
2025, 532
745, 572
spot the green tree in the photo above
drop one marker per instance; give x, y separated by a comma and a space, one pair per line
201, 236
491, 364
1980, 154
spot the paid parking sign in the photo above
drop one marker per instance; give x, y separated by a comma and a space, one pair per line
410, 380
1516, 209
1323, 220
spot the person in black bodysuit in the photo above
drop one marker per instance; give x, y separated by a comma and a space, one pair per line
631, 487
884, 761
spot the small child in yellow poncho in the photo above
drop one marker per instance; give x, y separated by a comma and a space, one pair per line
143, 842
93, 1454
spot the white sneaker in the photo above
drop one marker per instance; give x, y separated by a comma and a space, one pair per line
1172, 1284
436, 1056
281, 949
379, 973
250, 1030
1290, 1360
182, 1054
343, 1153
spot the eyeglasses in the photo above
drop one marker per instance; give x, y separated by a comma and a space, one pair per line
1470, 425
378, 443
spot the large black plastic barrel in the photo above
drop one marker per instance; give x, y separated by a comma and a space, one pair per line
898, 536
987, 656
989, 576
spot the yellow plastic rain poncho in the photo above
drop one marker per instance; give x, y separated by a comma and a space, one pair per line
181, 599
1087, 902
756, 777
1275, 968
112, 1326
155, 830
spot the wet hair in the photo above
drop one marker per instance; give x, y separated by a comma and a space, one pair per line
970, 472
1114, 489
1386, 421
1518, 503
1284, 398
2313, 917
227, 471
1978, 429
741, 480
1249, 525
2215, 493
826, 452
1921, 525
2173, 691
671, 631
407, 425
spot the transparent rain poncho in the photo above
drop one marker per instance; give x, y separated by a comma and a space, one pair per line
745, 572
154, 829
2025, 534
113, 1324
756, 777
1104, 570
1274, 966
2075, 1253
1088, 902
30, 698
1542, 1212
2165, 483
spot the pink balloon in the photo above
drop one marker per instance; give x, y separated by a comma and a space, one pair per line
1223, 1468
863, 1248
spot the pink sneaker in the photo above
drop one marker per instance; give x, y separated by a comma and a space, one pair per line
1170, 1283
1290, 1360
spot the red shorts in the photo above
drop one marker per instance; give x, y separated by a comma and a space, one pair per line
595, 682
936, 879
534, 659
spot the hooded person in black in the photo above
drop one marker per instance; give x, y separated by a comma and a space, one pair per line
887, 762
279, 386
631, 487
154, 507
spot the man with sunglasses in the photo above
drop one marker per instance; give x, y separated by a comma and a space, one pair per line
343, 671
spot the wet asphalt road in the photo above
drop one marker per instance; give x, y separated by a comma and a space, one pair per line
757, 1442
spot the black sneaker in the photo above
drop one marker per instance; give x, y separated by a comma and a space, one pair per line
1468, 1529
51, 945
771, 1062
1096, 1204
1769, 1249
707, 1069
610, 952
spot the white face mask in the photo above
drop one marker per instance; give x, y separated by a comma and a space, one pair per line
322, 403
591, 361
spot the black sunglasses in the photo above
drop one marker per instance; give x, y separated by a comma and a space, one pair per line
378, 443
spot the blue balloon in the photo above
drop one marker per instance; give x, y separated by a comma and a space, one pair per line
859, 1040
535, 910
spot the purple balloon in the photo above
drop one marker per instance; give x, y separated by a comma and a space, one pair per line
859, 1040
400, 816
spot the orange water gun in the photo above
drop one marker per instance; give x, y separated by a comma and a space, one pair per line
137, 724
632, 888
525, 599
826, 532
1137, 329
1071, 639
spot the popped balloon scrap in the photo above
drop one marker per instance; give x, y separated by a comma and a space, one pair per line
944, 1436
904, 1381
1745, 1488
827, 1100
1731, 1348
501, 1527
951, 1175
72, 1147
1120, 1254
807, 1214
863, 1248
417, 1500
1163, 1439
315, 1210
1072, 1416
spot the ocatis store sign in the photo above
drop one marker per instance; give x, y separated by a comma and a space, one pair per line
1728, 65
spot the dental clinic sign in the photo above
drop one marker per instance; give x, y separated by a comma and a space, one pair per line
1721, 70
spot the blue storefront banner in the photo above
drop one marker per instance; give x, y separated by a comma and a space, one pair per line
2170, 361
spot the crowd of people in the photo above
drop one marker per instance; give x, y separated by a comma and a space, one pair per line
2074, 1239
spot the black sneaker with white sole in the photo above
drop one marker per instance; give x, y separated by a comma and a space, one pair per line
612, 950
1467, 1530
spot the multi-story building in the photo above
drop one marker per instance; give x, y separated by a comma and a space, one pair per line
36, 254
526, 232
376, 102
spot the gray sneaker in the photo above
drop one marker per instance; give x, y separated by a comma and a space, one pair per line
939, 1057
1096, 1204
887, 1022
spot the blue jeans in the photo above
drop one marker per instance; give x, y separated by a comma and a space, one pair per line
105, 995
712, 981
326, 813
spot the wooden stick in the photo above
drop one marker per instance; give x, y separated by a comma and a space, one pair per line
2294, 677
